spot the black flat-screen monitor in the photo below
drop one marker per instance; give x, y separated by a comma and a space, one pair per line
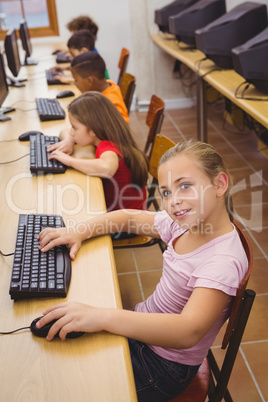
200, 14
162, 15
3, 91
234, 28
251, 60
26, 43
13, 57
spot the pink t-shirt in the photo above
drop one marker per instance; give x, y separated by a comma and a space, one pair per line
220, 264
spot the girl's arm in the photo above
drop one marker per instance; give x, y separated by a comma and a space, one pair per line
104, 167
180, 331
123, 220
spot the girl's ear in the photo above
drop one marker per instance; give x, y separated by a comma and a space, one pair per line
221, 184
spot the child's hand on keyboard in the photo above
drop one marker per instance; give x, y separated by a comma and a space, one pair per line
66, 146
50, 237
64, 79
61, 157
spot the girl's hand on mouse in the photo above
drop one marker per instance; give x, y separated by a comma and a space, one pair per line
72, 317
66, 146
50, 237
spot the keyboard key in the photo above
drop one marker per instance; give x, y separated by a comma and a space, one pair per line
39, 161
39, 274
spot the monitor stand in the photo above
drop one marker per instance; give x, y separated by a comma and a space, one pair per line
4, 111
29, 62
15, 83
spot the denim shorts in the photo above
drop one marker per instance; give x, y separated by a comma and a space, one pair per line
158, 379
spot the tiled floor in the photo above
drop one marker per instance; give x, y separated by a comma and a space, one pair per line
139, 270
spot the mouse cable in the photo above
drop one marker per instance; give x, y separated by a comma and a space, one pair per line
6, 255
15, 330
26, 110
15, 139
15, 160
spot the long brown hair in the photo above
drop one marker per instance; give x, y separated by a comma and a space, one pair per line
210, 161
98, 113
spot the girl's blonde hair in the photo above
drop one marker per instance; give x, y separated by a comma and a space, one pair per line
99, 114
210, 161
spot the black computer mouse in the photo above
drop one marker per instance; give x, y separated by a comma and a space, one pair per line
42, 332
65, 94
26, 136
55, 52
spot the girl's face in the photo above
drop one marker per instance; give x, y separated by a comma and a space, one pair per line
188, 194
82, 135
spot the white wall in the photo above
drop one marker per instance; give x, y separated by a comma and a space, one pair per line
113, 19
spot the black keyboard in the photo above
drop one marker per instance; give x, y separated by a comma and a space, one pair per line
49, 109
37, 274
51, 80
63, 58
39, 156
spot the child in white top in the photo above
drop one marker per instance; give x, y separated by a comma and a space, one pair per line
171, 332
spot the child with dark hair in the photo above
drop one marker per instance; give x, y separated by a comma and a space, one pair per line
83, 22
80, 42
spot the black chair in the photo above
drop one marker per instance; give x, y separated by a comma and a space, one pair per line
211, 381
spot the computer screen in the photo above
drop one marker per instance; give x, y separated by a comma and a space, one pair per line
162, 15
3, 90
26, 43
234, 28
12, 52
200, 14
3, 82
251, 62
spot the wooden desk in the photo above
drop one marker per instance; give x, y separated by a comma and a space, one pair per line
94, 367
224, 81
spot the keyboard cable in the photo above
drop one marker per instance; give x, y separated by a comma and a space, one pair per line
15, 330
15, 160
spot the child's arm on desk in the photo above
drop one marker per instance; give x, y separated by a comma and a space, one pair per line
123, 220
180, 331
104, 167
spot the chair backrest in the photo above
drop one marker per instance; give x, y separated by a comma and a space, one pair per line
233, 335
122, 64
128, 85
154, 120
215, 390
241, 290
160, 146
